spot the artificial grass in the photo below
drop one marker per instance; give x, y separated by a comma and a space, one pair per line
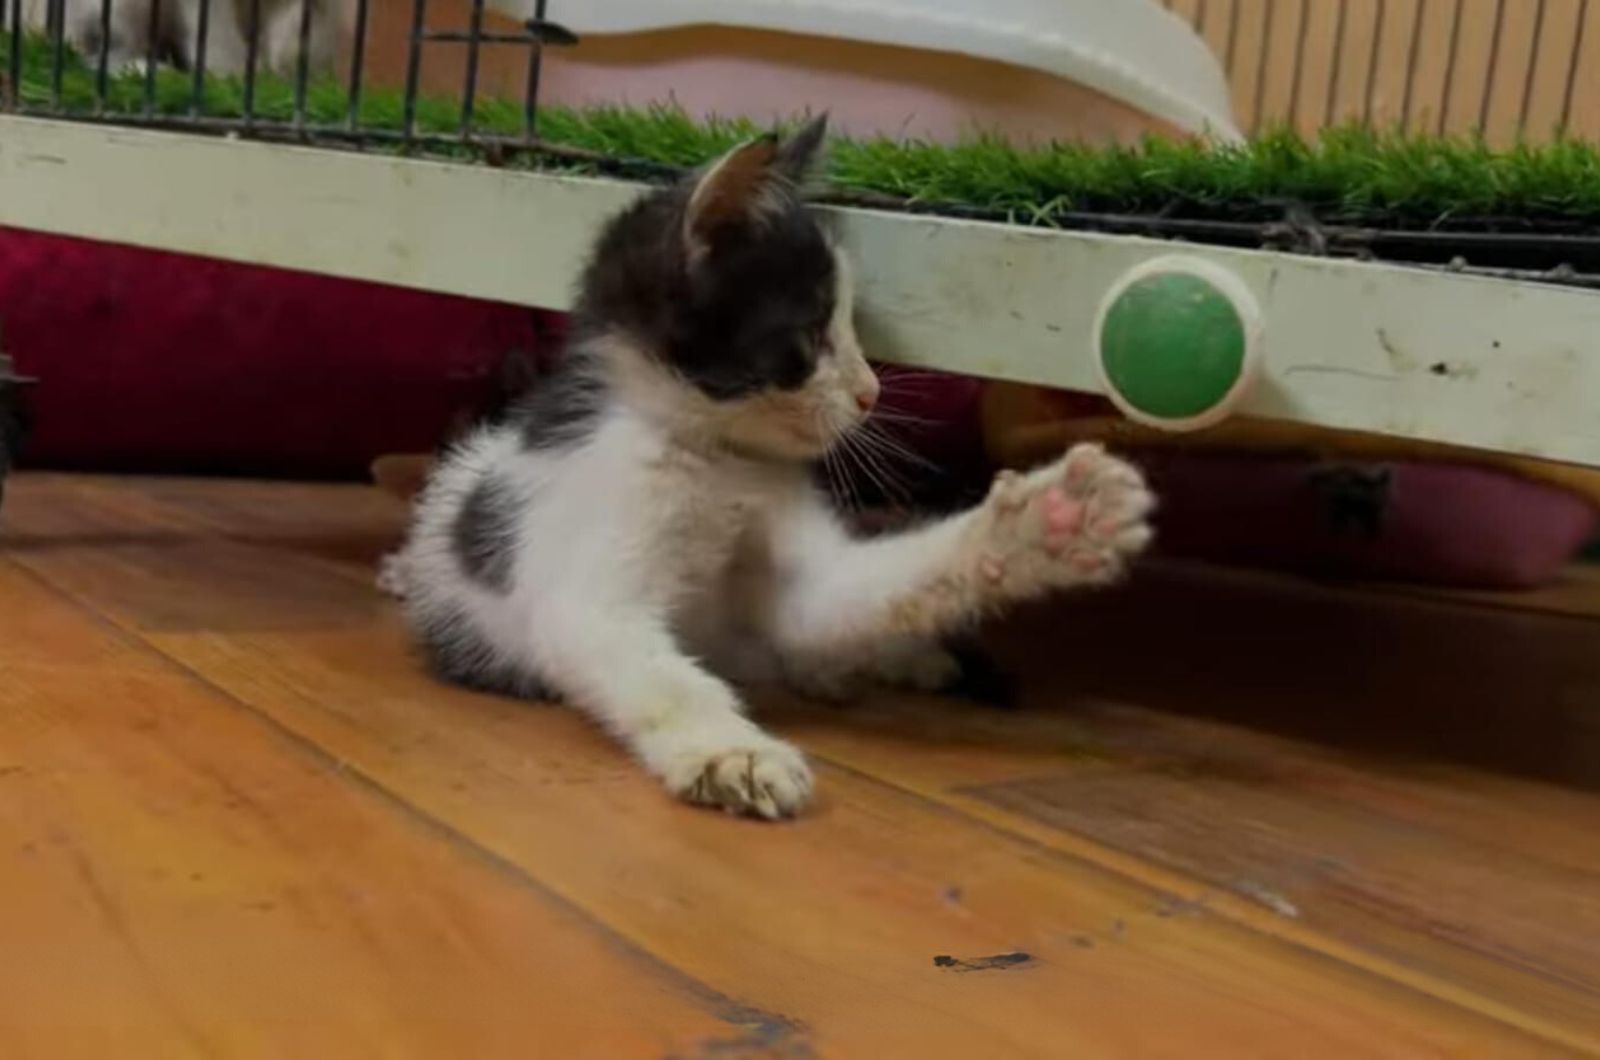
1348, 175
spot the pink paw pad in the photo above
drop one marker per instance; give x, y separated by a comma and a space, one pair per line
1063, 516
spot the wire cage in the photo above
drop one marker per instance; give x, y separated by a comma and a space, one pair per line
87, 87
1306, 63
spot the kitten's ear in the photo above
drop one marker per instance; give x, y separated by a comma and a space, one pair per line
731, 190
801, 154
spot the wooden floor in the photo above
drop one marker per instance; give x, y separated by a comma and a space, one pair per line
1236, 816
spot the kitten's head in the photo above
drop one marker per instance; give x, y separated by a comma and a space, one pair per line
721, 302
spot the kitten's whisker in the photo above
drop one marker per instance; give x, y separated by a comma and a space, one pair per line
843, 487
912, 380
901, 418
893, 447
873, 462
850, 459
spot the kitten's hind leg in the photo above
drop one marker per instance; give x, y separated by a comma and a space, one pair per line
686, 725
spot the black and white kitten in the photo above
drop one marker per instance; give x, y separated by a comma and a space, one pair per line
644, 528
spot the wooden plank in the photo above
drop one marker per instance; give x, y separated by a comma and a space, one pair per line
834, 921
179, 879
1428, 804
1482, 363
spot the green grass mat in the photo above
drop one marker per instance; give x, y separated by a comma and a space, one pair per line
1348, 175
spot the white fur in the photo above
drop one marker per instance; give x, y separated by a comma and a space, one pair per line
682, 545
226, 36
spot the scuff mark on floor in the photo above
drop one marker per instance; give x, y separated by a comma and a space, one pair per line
997, 962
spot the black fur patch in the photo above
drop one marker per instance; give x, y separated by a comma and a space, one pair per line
560, 410
484, 534
455, 653
748, 314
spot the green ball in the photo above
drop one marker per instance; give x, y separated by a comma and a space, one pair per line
1173, 346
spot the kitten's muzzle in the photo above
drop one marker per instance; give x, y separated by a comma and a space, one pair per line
866, 395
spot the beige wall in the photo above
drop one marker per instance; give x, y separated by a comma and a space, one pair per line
1331, 78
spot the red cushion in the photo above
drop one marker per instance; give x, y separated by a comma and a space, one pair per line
1447, 524
163, 362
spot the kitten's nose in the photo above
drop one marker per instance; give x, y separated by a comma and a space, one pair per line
867, 396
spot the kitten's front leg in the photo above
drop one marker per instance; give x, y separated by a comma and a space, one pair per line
686, 725
1075, 522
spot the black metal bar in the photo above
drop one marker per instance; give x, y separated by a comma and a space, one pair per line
1450, 67
530, 92
302, 65
413, 69
358, 61
102, 65
498, 148
1372, 61
58, 49
469, 88
1336, 67
1533, 62
1261, 64
1572, 64
1558, 276
152, 57
197, 80
14, 60
1299, 63
1412, 49
1492, 69
252, 54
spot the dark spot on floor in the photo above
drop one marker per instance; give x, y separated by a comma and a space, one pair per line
982, 964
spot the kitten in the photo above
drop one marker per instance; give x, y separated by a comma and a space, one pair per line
642, 529
176, 32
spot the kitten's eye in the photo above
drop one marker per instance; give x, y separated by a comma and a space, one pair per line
793, 367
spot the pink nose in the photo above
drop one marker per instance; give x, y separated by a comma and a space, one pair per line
867, 398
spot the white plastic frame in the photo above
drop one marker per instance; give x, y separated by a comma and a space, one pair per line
1492, 364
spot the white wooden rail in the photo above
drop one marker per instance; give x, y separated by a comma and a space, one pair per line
1491, 364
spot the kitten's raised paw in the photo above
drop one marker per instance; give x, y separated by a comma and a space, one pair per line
757, 776
1077, 521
